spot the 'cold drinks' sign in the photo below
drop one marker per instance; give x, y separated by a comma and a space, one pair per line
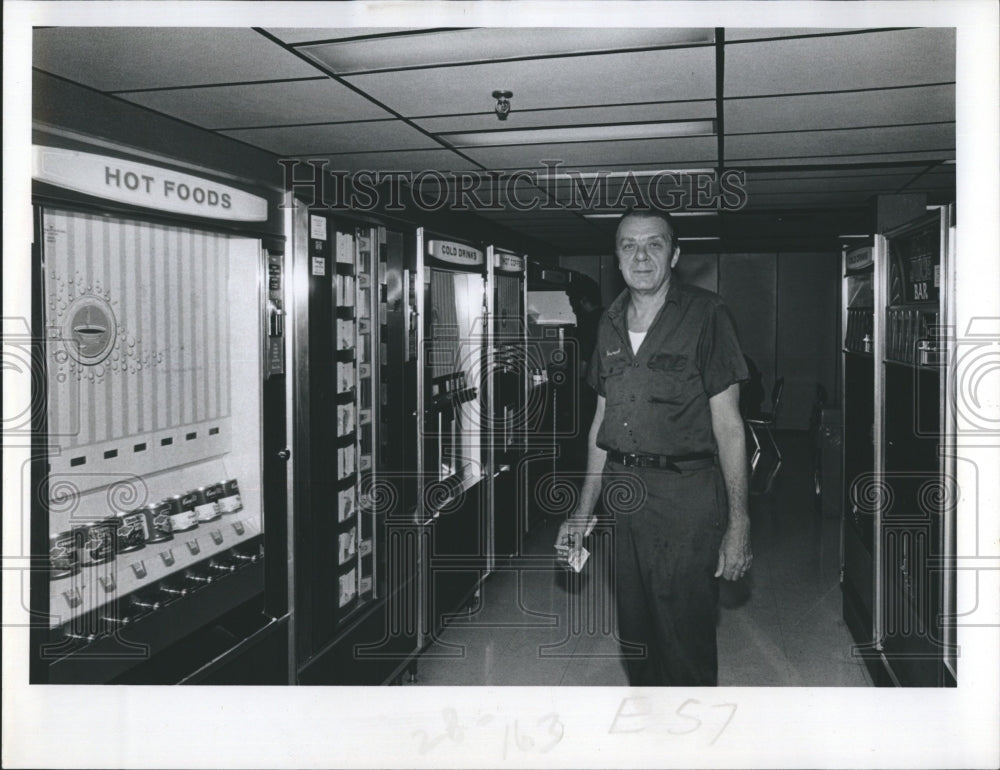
456, 253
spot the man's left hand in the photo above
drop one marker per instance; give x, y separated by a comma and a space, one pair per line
734, 554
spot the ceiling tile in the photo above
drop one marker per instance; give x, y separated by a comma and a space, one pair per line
581, 116
839, 143
758, 33
261, 104
549, 83
416, 161
647, 168
423, 49
668, 153
123, 58
543, 219
843, 110
866, 184
868, 159
819, 175
306, 34
932, 180
336, 137
875, 60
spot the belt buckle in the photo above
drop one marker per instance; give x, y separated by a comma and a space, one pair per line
630, 460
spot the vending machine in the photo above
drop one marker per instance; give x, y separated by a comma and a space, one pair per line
159, 478
858, 372
509, 376
899, 494
553, 392
915, 451
354, 532
453, 504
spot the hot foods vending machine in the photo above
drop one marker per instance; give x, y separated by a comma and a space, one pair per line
355, 587
453, 505
508, 397
159, 479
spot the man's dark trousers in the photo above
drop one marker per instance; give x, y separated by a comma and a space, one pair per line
666, 552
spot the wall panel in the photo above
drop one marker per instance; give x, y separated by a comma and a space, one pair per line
698, 270
807, 331
748, 283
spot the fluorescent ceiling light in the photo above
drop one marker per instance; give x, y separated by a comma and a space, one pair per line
701, 238
472, 47
635, 174
672, 213
854, 236
560, 134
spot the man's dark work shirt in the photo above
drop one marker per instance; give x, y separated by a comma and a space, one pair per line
657, 398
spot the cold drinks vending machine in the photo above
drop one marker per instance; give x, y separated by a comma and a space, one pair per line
453, 499
159, 478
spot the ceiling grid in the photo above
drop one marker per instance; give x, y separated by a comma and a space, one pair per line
817, 119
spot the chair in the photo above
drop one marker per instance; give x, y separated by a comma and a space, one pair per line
760, 426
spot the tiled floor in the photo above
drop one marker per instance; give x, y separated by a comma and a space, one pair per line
536, 624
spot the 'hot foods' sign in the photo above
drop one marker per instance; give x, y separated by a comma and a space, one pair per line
144, 185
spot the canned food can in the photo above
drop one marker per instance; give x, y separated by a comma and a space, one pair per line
98, 544
181, 518
131, 531
213, 492
158, 526
64, 554
230, 501
205, 509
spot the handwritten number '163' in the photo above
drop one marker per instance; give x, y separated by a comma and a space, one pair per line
454, 732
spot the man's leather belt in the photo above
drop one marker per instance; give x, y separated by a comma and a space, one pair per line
677, 463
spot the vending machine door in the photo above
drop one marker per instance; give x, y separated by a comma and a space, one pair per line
509, 373
453, 507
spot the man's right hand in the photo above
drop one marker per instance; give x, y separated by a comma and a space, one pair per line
569, 541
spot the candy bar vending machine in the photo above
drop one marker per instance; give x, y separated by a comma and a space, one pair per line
915, 453
160, 470
355, 544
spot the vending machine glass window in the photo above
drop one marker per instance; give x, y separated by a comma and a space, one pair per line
455, 361
509, 366
154, 409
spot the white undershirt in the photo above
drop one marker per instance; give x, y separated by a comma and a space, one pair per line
636, 339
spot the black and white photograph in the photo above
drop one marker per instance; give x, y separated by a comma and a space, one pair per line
559, 384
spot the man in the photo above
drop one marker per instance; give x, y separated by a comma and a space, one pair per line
667, 369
